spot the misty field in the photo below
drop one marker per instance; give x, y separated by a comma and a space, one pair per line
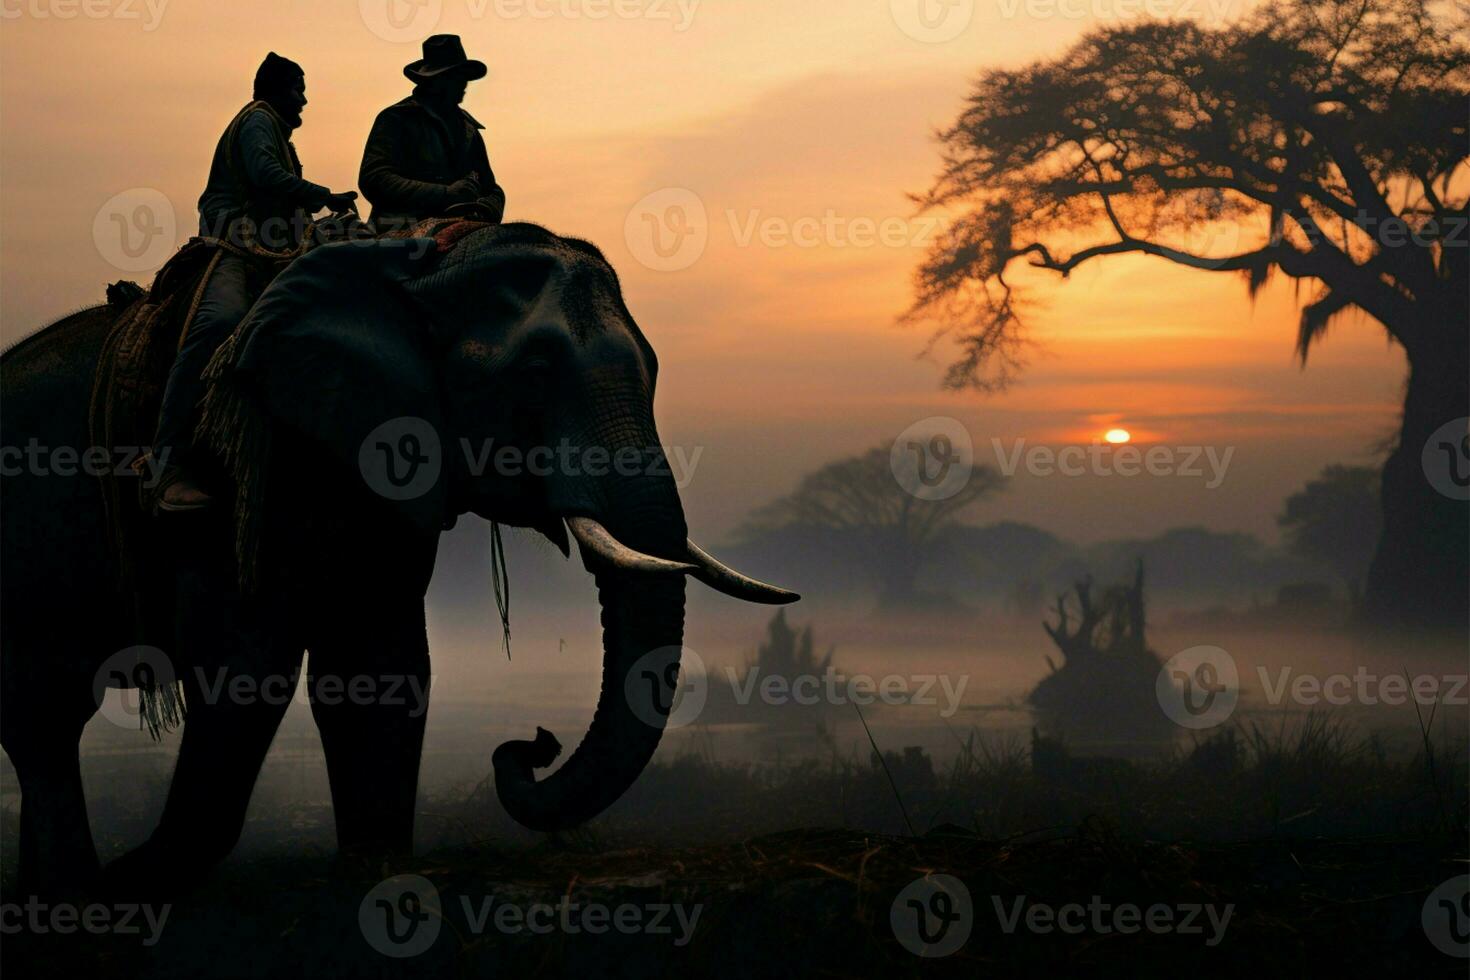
1321, 828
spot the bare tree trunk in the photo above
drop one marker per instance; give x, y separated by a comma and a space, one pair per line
1420, 575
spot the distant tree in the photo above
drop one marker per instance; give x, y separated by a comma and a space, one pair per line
1335, 519
1323, 140
1106, 683
861, 496
788, 652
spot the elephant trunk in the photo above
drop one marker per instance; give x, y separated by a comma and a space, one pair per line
638, 617
642, 630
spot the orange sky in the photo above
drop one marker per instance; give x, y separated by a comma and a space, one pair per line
777, 119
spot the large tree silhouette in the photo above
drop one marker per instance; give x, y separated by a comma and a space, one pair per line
860, 496
1325, 142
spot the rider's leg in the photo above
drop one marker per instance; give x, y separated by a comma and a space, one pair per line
227, 298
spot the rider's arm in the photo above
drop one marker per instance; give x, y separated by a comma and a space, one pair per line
490, 189
266, 172
384, 186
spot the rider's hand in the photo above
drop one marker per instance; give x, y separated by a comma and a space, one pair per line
340, 203
464, 190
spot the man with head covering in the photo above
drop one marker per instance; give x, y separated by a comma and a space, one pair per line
425, 157
256, 202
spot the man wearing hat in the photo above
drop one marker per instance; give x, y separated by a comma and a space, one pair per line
425, 157
256, 202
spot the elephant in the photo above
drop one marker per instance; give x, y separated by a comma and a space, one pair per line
517, 338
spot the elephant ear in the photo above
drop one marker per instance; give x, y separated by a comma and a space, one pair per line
337, 350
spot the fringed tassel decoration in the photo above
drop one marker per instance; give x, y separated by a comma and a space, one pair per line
236, 430
161, 707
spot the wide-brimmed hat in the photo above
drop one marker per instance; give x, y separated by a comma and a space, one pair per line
444, 54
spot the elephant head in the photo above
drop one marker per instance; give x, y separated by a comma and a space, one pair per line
516, 350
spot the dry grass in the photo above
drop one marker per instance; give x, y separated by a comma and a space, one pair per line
1320, 843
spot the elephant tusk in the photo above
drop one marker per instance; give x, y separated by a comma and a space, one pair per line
598, 540
722, 578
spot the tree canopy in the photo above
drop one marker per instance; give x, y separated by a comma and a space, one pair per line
1326, 141
861, 495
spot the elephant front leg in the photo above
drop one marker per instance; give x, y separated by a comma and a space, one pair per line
369, 688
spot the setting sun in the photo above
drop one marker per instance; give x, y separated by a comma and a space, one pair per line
1117, 436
